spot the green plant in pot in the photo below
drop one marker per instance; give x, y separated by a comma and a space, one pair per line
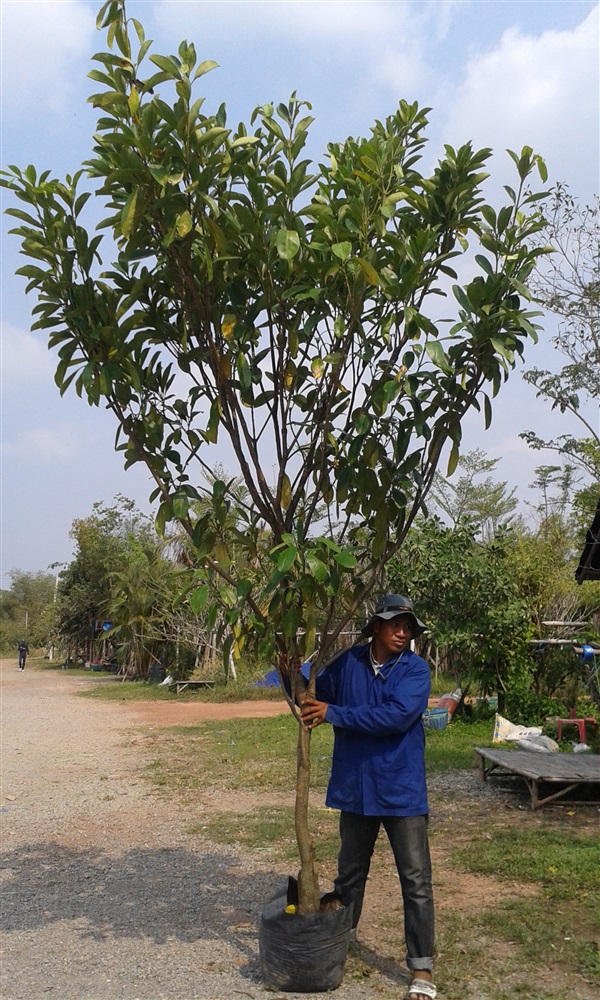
289, 311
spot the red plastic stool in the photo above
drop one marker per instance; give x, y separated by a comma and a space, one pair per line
580, 723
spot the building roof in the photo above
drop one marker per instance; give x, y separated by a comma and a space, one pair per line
589, 564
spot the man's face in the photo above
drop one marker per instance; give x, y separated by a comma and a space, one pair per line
394, 635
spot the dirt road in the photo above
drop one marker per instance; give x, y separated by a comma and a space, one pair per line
105, 896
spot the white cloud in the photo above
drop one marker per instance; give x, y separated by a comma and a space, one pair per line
540, 91
25, 358
43, 45
353, 45
43, 445
315, 21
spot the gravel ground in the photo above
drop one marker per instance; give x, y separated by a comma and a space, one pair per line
105, 896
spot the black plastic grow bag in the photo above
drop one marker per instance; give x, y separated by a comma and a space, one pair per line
303, 953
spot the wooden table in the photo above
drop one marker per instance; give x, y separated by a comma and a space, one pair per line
569, 771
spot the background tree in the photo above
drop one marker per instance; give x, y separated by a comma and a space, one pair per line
568, 284
102, 545
487, 505
292, 309
143, 590
27, 611
467, 593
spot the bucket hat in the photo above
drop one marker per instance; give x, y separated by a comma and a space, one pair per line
389, 607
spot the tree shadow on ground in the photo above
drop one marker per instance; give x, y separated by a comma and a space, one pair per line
149, 893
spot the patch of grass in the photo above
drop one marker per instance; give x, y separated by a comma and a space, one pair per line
589, 957
261, 753
271, 829
442, 684
241, 753
240, 690
505, 945
117, 689
566, 866
561, 862
453, 747
567, 939
41, 663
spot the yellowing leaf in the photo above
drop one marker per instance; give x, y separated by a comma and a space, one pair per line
317, 367
184, 224
289, 376
228, 326
134, 101
286, 491
225, 366
369, 271
288, 244
128, 215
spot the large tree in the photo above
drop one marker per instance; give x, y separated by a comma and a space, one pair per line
309, 315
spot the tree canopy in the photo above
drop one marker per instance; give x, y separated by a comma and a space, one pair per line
310, 315
293, 308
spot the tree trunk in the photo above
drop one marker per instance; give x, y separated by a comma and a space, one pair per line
308, 881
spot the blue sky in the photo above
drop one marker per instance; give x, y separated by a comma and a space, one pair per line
503, 74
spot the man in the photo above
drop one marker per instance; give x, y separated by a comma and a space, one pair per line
23, 653
374, 696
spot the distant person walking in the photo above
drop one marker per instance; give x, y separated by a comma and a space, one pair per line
23, 653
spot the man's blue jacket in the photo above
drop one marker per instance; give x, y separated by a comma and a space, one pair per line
378, 766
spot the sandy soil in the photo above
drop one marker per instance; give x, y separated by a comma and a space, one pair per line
181, 713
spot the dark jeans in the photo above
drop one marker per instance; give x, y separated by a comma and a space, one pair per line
408, 838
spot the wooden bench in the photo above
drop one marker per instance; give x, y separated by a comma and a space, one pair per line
564, 772
179, 686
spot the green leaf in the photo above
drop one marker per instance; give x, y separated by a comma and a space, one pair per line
287, 559
453, 460
205, 67
502, 349
435, 352
339, 327
181, 506
288, 244
245, 140
244, 371
487, 409
542, 169
342, 250
199, 598
168, 65
317, 367
216, 132
291, 622
345, 559
316, 567
244, 589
